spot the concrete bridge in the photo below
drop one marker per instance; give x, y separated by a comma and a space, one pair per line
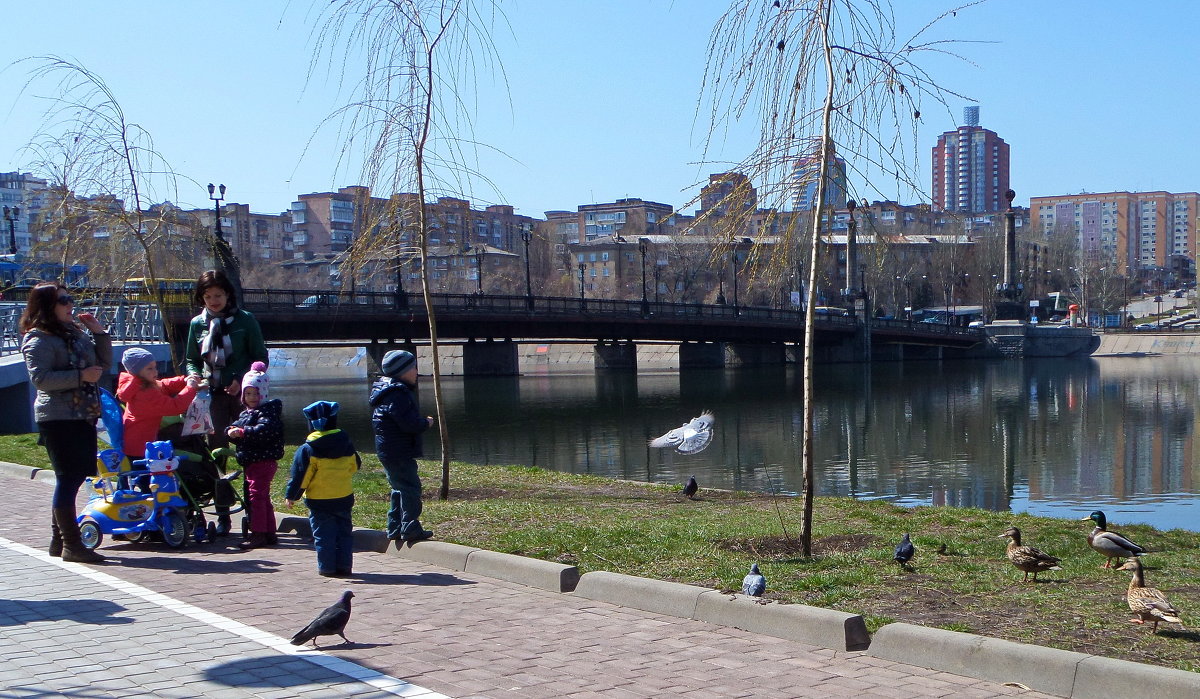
490, 327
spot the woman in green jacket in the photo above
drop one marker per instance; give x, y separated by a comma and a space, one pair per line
223, 341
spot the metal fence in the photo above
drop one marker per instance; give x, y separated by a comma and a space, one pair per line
131, 322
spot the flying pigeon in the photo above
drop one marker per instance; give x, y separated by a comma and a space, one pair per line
690, 488
329, 622
690, 438
754, 584
904, 552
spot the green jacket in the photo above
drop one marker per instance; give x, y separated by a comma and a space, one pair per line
246, 347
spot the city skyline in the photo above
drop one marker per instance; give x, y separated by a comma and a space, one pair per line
236, 104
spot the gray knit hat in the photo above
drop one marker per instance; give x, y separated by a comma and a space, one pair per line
397, 362
135, 359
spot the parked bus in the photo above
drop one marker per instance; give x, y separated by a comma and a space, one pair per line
175, 292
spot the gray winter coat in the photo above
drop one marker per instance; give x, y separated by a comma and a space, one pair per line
56, 377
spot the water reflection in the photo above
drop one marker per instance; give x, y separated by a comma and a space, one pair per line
1053, 437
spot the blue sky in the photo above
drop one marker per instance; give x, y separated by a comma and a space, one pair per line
601, 99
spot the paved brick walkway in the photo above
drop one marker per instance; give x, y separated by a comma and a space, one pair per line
213, 621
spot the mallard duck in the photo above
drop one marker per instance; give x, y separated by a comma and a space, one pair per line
1110, 544
1027, 558
1149, 603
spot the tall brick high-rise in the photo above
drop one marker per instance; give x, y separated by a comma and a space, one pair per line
970, 168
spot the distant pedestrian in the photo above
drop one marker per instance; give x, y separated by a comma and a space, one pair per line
258, 435
322, 471
64, 364
398, 425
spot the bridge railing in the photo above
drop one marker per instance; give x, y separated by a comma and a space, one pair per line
131, 322
267, 300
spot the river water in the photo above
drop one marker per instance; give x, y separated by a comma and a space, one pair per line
1052, 437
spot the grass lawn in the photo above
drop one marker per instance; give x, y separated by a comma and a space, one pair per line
959, 578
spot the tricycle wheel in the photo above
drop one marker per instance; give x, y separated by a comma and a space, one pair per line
135, 537
174, 529
90, 535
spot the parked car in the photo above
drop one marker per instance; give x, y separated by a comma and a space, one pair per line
319, 300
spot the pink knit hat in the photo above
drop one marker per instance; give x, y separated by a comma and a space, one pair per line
257, 377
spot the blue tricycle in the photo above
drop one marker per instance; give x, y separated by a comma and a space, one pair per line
118, 509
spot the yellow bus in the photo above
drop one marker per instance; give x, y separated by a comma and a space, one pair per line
175, 292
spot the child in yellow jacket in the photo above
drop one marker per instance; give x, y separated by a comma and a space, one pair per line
322, 471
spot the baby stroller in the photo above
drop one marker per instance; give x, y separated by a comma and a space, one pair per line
207, 489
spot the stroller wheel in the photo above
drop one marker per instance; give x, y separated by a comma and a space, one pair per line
89, 534
212, 531
174, 529
245, 527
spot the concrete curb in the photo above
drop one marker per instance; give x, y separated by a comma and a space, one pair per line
658, 596
20, 471
815, 626
534, 572
438, 553
1098, 676
1050, 670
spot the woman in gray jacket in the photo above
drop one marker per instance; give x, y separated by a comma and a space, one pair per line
64, 365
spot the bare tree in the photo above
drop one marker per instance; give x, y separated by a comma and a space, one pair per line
88, 144
408, 115
821, 76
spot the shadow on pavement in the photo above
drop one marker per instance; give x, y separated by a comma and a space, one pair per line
274, 671
182, 565
15, 612
431, 579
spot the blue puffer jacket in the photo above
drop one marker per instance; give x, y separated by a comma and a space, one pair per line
263, 440
397, 420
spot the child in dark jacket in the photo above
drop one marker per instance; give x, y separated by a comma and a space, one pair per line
398, 425
258, 435
322, 471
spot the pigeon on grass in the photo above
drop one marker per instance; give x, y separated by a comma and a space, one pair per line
691, 488
904, 552
330, 622
690, 438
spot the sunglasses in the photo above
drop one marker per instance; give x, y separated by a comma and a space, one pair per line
65, 300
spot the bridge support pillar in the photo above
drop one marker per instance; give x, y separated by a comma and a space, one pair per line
376, 350
490, 358
616, 355
702, 355
744, 354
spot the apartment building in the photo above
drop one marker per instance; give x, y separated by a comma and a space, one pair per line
1145, 232
970, 168
24, 196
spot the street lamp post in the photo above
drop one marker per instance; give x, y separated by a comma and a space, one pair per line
479, 251
645, 301
582, 298
11, 215
525, 235
733, 259
222, 251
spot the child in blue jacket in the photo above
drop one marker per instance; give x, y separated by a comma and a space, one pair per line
322, 471
398, 424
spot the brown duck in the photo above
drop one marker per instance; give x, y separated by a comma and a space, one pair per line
1148, 603
1027, 558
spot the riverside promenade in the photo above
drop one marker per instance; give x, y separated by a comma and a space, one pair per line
213, 621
